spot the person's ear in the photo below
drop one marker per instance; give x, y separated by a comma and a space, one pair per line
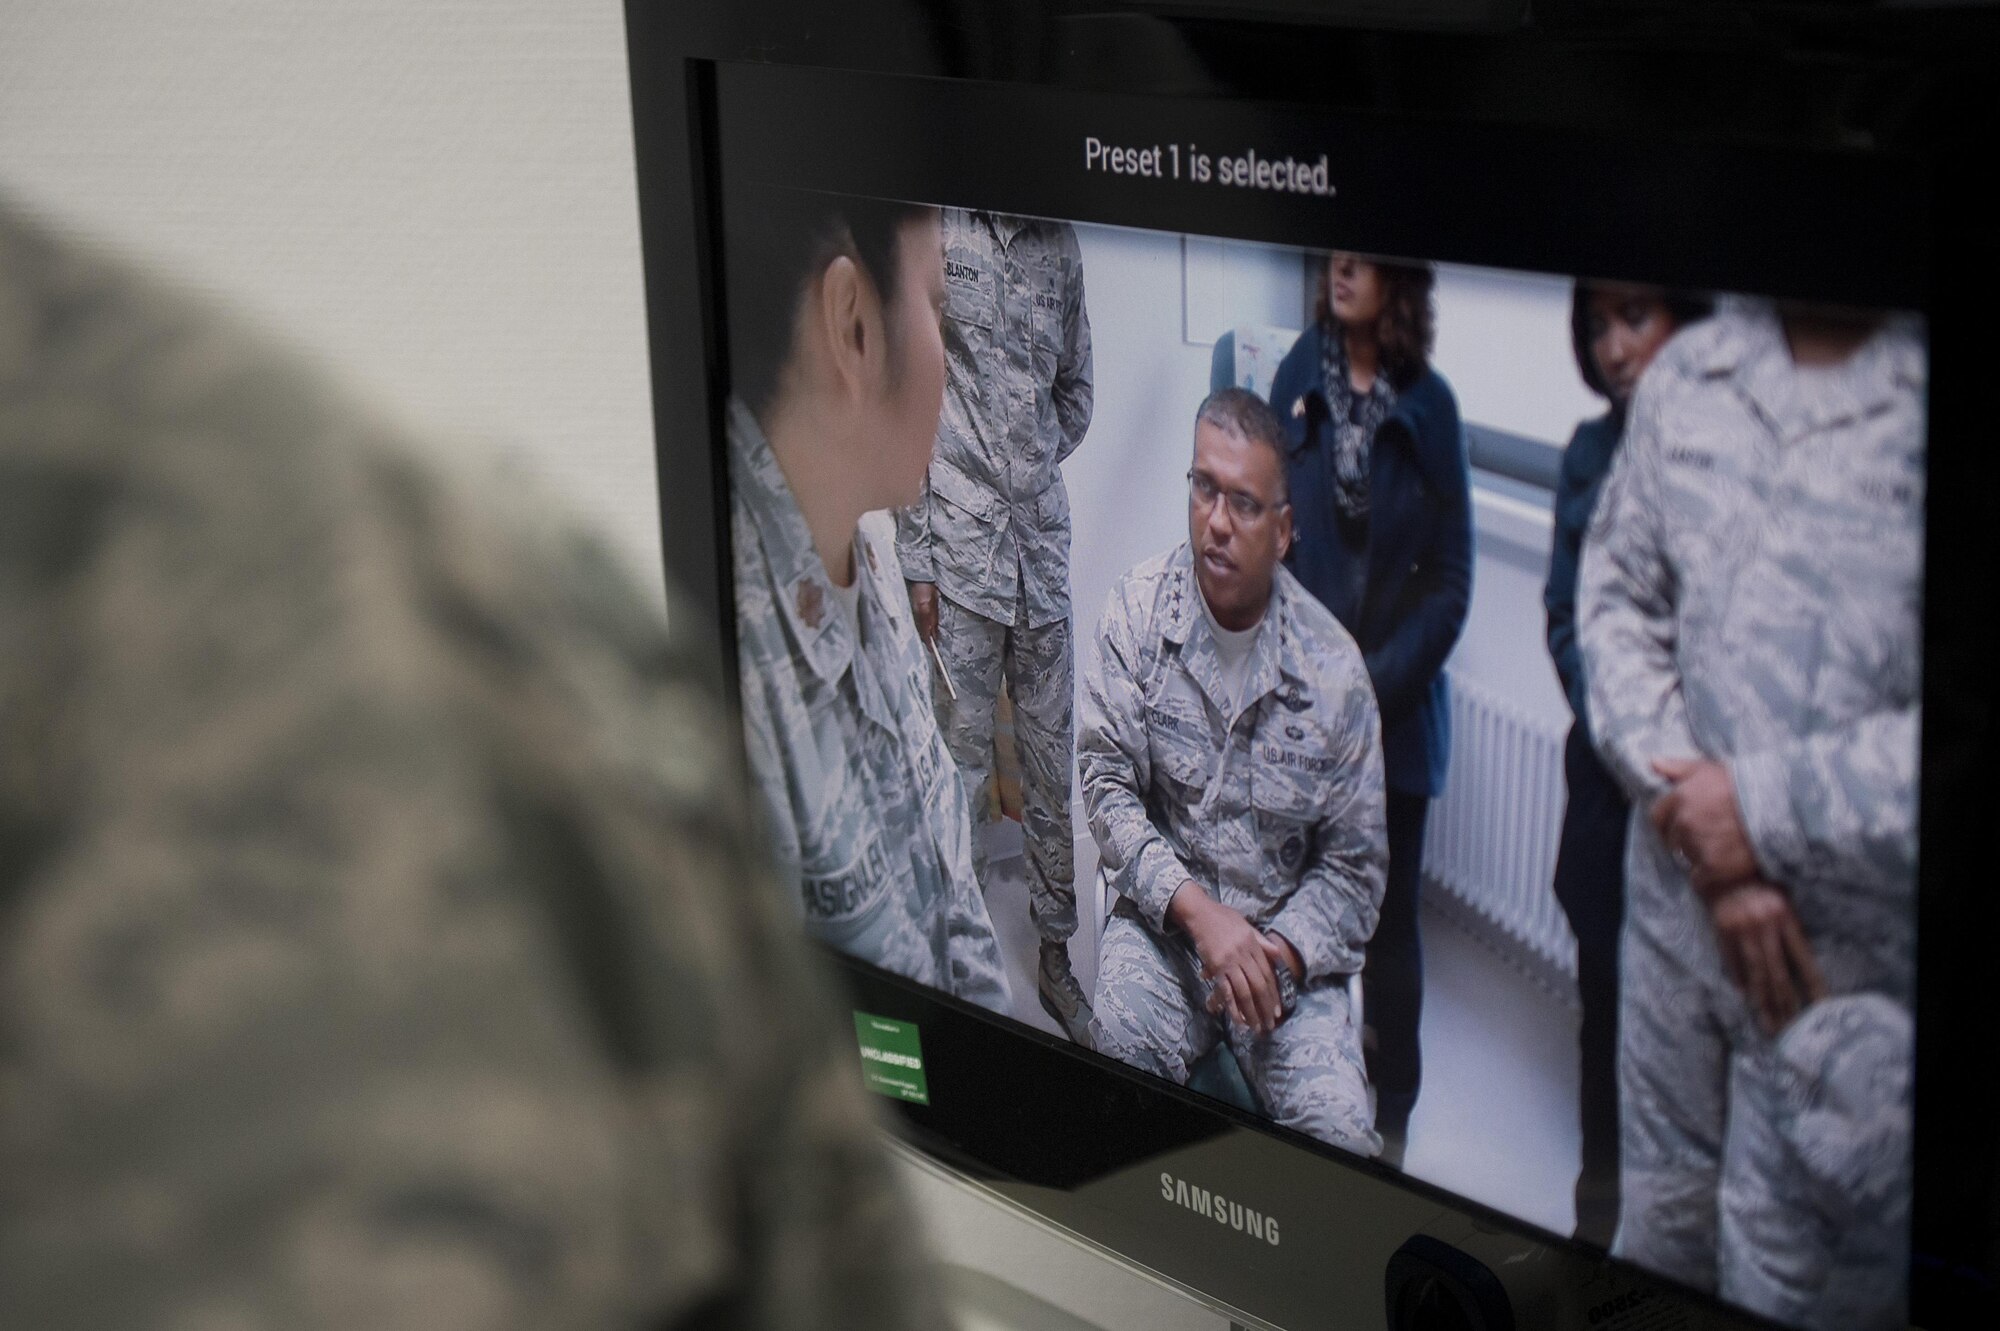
843, 318
1284, 516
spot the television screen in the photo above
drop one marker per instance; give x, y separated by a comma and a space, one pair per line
1413, 638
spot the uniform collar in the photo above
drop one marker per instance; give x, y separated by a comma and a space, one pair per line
1275, 657
1794, 403
1006, 226
798, 579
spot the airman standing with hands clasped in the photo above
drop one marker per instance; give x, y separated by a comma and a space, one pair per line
985, 548
1749, 611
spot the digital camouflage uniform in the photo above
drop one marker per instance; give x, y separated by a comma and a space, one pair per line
1274, 807
382, 941
992, 528
865, 807
1820, 1236
1750, 592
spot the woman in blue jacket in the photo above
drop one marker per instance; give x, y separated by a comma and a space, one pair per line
1381, 505
1615, 331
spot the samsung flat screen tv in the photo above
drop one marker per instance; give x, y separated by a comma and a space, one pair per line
1367, 647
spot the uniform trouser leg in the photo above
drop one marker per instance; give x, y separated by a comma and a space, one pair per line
1590, 886
1393, 975
971, 646
1673, 1068
1815, 1193
1146, 1011
1039, 680
1307, 1073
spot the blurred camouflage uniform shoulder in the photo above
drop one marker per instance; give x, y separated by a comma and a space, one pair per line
1710, 348
381, 939
1133, 595
1688, 353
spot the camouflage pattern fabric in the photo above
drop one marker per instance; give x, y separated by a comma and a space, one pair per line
863, 803
992, 526
1035, 662
1273, 804
1823, 1124
384, 940
1307, 1073
1750, 591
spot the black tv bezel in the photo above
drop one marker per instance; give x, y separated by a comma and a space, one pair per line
1799, 86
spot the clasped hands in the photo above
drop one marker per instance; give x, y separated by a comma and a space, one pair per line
1763, 946
1239, 960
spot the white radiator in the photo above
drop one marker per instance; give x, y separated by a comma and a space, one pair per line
1490, 845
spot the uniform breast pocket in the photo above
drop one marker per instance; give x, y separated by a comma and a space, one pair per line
1870, 619
1180, 752
1297, 771
1289, 792
1706, 510
1857, 560
971, 297
1285, 839
1046, 315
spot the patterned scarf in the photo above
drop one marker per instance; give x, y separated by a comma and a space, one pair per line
1353, 418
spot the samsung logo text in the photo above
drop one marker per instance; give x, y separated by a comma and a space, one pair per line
1216, 1207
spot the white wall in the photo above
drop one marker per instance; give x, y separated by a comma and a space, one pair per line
436, 197
1229, 283
1503, 342
1504, 646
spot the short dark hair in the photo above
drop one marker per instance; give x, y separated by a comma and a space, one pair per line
1407, 328
1242, 413
1683, 307
781, 239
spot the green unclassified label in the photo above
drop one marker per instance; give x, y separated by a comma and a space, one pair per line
892, 1063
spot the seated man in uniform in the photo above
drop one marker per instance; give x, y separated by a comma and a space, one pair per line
839, 381
1232, 772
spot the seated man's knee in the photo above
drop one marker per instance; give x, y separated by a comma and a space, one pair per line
1139, 1012
1343, 1121
1127, 1027
1315, 1082
1331, 1106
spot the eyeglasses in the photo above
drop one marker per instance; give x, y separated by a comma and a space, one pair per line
1245, 508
